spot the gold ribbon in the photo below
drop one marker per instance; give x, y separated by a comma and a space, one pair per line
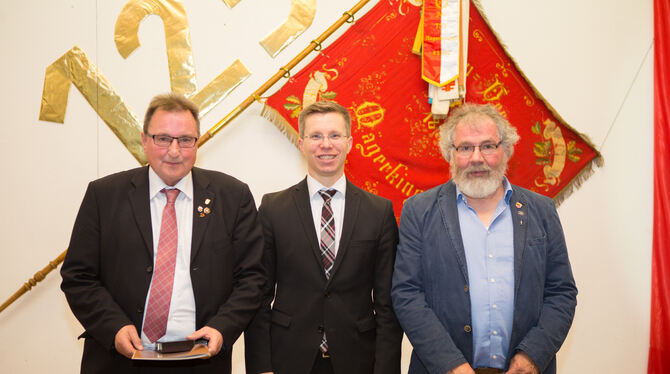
231, 3
300, 17
75, 68
177, 38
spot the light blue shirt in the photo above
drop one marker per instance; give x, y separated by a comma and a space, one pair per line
489, 254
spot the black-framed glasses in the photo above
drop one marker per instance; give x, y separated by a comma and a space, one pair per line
162, 140
484, 148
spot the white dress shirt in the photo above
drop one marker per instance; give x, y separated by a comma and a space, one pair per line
336, 203
181, 318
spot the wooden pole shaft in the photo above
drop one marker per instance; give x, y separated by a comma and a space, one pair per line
283, 72
32, 282
347, 17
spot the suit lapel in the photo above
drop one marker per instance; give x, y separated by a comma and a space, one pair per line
301, 199
519, 208
139, 201
204, 198
449, 211
351, 204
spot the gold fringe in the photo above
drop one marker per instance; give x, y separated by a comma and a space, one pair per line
272, 115
597, 161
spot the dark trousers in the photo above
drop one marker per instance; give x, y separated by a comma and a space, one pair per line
322, 365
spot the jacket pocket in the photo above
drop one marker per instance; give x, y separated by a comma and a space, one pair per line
280, 318
366, 324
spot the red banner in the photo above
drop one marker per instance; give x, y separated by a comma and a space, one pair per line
659, 341
370, 70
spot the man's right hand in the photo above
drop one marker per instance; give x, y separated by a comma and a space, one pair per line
127, 341
462, 369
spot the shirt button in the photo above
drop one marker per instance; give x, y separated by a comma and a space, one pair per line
494, 306
493, 280
467, 328
490, 255
495, 332
494, 356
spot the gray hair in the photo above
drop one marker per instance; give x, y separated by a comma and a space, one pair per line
464, 114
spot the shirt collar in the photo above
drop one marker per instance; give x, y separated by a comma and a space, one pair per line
506, 185
156, 184
314, 186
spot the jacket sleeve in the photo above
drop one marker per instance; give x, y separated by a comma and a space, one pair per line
90, 301
543, 341
257, 343
431, 341
389, 334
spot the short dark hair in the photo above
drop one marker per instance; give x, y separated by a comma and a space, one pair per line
171, 102
323, 107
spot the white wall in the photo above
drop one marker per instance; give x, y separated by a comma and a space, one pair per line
591, 60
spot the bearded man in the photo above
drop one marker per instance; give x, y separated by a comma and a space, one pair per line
482, 281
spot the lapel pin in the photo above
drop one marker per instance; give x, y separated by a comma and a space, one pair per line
207, 201
199, 209
206, 210
202, 215
519, 205
521, 212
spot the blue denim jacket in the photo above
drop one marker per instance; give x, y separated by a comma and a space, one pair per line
430, 281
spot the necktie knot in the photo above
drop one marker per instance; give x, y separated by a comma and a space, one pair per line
171, 194
327, 195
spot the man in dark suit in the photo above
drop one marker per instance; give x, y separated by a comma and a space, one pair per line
162, 253
329, 252
482, 280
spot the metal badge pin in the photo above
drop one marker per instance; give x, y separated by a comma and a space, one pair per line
206, 210
199, 208
519, 205
521, 213
207, 201
202, 215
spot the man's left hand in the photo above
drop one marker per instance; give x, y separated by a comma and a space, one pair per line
212, 335
522, 364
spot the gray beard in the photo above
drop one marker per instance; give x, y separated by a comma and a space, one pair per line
478, 188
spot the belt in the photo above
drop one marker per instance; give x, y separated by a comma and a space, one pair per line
488, 371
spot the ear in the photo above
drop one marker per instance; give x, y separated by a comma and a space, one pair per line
300, 143
350, 143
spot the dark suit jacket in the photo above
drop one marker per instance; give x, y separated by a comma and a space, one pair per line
430, 282
353, 307
108, 267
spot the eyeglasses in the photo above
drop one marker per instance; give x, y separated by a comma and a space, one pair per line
485, 148
166, 140
318, 138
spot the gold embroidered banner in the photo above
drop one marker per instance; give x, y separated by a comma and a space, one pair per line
371, 70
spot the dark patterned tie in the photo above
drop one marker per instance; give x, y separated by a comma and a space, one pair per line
327, 243
158, 308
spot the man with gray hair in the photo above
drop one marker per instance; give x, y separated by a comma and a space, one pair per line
482, 281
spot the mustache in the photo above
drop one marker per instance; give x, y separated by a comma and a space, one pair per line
477, 168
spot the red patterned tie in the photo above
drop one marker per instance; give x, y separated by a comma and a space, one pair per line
158, 308
327, 243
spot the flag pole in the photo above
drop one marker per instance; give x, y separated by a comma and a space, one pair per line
284, 72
